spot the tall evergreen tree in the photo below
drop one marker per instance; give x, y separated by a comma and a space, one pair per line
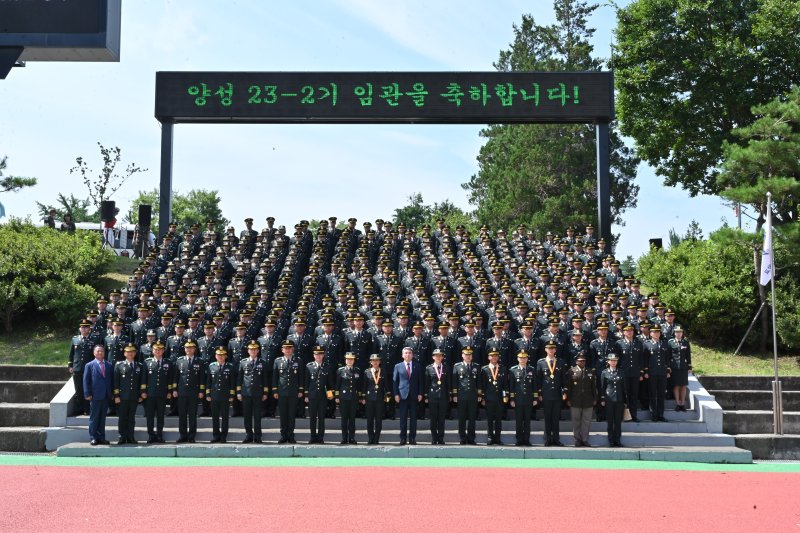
544, 175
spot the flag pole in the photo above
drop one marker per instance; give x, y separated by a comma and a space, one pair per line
777, 393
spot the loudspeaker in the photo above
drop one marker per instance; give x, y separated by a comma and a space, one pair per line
656, 243
145, 214
107, 208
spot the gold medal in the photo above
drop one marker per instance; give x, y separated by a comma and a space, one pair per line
494, 382
439, 382
552, 376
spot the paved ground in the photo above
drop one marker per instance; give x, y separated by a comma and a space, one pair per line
47, 493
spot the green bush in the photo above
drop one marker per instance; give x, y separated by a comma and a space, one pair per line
708, 283
48, 271
787, 306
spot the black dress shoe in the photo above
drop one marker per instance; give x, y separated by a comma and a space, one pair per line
462, 442
191, 441
558, 443
312, 441
352, 441
586, 444
94, 442
152, 440
499, 442
292, 441
519, 443
133, 441
472, 442
413, 442
122, 441
181, 440
441, 442
434, 442
257, 440
223, 440
215, 440
283, 441
402, 442
248, 439
578, 443
105, 442
634, 419
161, 440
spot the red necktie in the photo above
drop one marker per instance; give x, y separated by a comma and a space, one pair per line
408, 369
103, 369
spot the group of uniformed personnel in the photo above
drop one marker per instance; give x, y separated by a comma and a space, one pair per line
265, 324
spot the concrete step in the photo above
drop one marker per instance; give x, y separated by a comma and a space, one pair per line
644, 426
788, 383
24, 414
29, 391
758, 421
666, 437
22, 439
722, 454
34, 373
771, 447
738, 400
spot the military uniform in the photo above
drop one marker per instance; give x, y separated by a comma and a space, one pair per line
127, 392
551, 389
680, 361
220, 392
631, 365
376, 394
465, 392
657, 355
437, 395
582, 397
599, 350
189, 377
492, 390
521, 387
612, 392
159, 380
287, 383
318, 383
348, 392
80, 353
251, 384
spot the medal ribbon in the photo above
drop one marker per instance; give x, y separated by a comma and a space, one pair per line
438, 372
494, 372
551, 367
376, 377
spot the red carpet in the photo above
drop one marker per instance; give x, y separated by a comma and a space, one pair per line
387, 499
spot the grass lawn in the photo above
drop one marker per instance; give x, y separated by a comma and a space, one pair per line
712, 361
34, 344
118, 276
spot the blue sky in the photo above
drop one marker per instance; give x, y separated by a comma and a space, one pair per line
50, 113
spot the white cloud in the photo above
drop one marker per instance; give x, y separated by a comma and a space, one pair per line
450, 34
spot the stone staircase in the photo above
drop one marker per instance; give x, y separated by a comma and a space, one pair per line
25, 394
694, 435
747, 413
